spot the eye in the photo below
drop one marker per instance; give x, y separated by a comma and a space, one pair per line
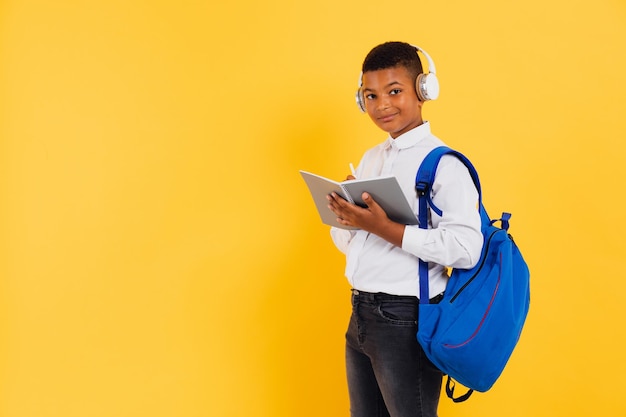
395, 91
370, 96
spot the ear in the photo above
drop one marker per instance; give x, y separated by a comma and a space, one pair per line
419, 98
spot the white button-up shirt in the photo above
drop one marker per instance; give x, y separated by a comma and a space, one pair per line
453, 239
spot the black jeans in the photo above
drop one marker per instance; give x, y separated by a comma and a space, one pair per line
388, 373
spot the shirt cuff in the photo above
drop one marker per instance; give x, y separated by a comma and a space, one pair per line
413, 239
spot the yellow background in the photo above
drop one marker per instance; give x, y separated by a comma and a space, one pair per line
160, 255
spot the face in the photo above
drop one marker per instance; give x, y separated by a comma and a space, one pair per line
391, 100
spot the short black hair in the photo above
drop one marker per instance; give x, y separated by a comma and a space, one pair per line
393, 54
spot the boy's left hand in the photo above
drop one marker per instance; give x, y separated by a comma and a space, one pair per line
372, 218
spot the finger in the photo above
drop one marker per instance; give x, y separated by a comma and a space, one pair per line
337, 200
367, 199
344, 221
372, 205
334, 204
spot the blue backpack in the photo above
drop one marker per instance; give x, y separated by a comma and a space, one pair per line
472, 332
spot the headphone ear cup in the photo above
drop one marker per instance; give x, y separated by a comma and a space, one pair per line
360, 100
427, 86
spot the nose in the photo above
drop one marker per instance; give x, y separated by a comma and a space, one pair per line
383, 103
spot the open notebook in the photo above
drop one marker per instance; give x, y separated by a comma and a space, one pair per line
384, 190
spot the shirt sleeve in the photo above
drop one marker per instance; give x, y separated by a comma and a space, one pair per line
453, 239
341, 238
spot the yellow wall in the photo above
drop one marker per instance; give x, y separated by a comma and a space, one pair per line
160, 255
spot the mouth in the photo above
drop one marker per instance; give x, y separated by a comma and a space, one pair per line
387, 118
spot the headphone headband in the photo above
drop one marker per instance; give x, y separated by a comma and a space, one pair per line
429, 60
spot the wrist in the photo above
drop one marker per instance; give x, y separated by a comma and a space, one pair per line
392, 232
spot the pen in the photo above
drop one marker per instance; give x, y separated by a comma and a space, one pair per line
352, 170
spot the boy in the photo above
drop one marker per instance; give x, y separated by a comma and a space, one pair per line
388, 372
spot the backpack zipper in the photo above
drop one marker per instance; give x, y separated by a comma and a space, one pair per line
482, 262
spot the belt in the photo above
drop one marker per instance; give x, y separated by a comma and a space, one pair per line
381, 296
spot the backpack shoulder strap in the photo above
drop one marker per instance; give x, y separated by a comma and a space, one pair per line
427, 170
423, 184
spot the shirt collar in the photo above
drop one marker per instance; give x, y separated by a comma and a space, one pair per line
410, 138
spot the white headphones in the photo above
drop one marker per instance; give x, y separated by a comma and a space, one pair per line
426, 85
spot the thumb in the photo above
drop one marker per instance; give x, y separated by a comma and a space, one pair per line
367, 199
